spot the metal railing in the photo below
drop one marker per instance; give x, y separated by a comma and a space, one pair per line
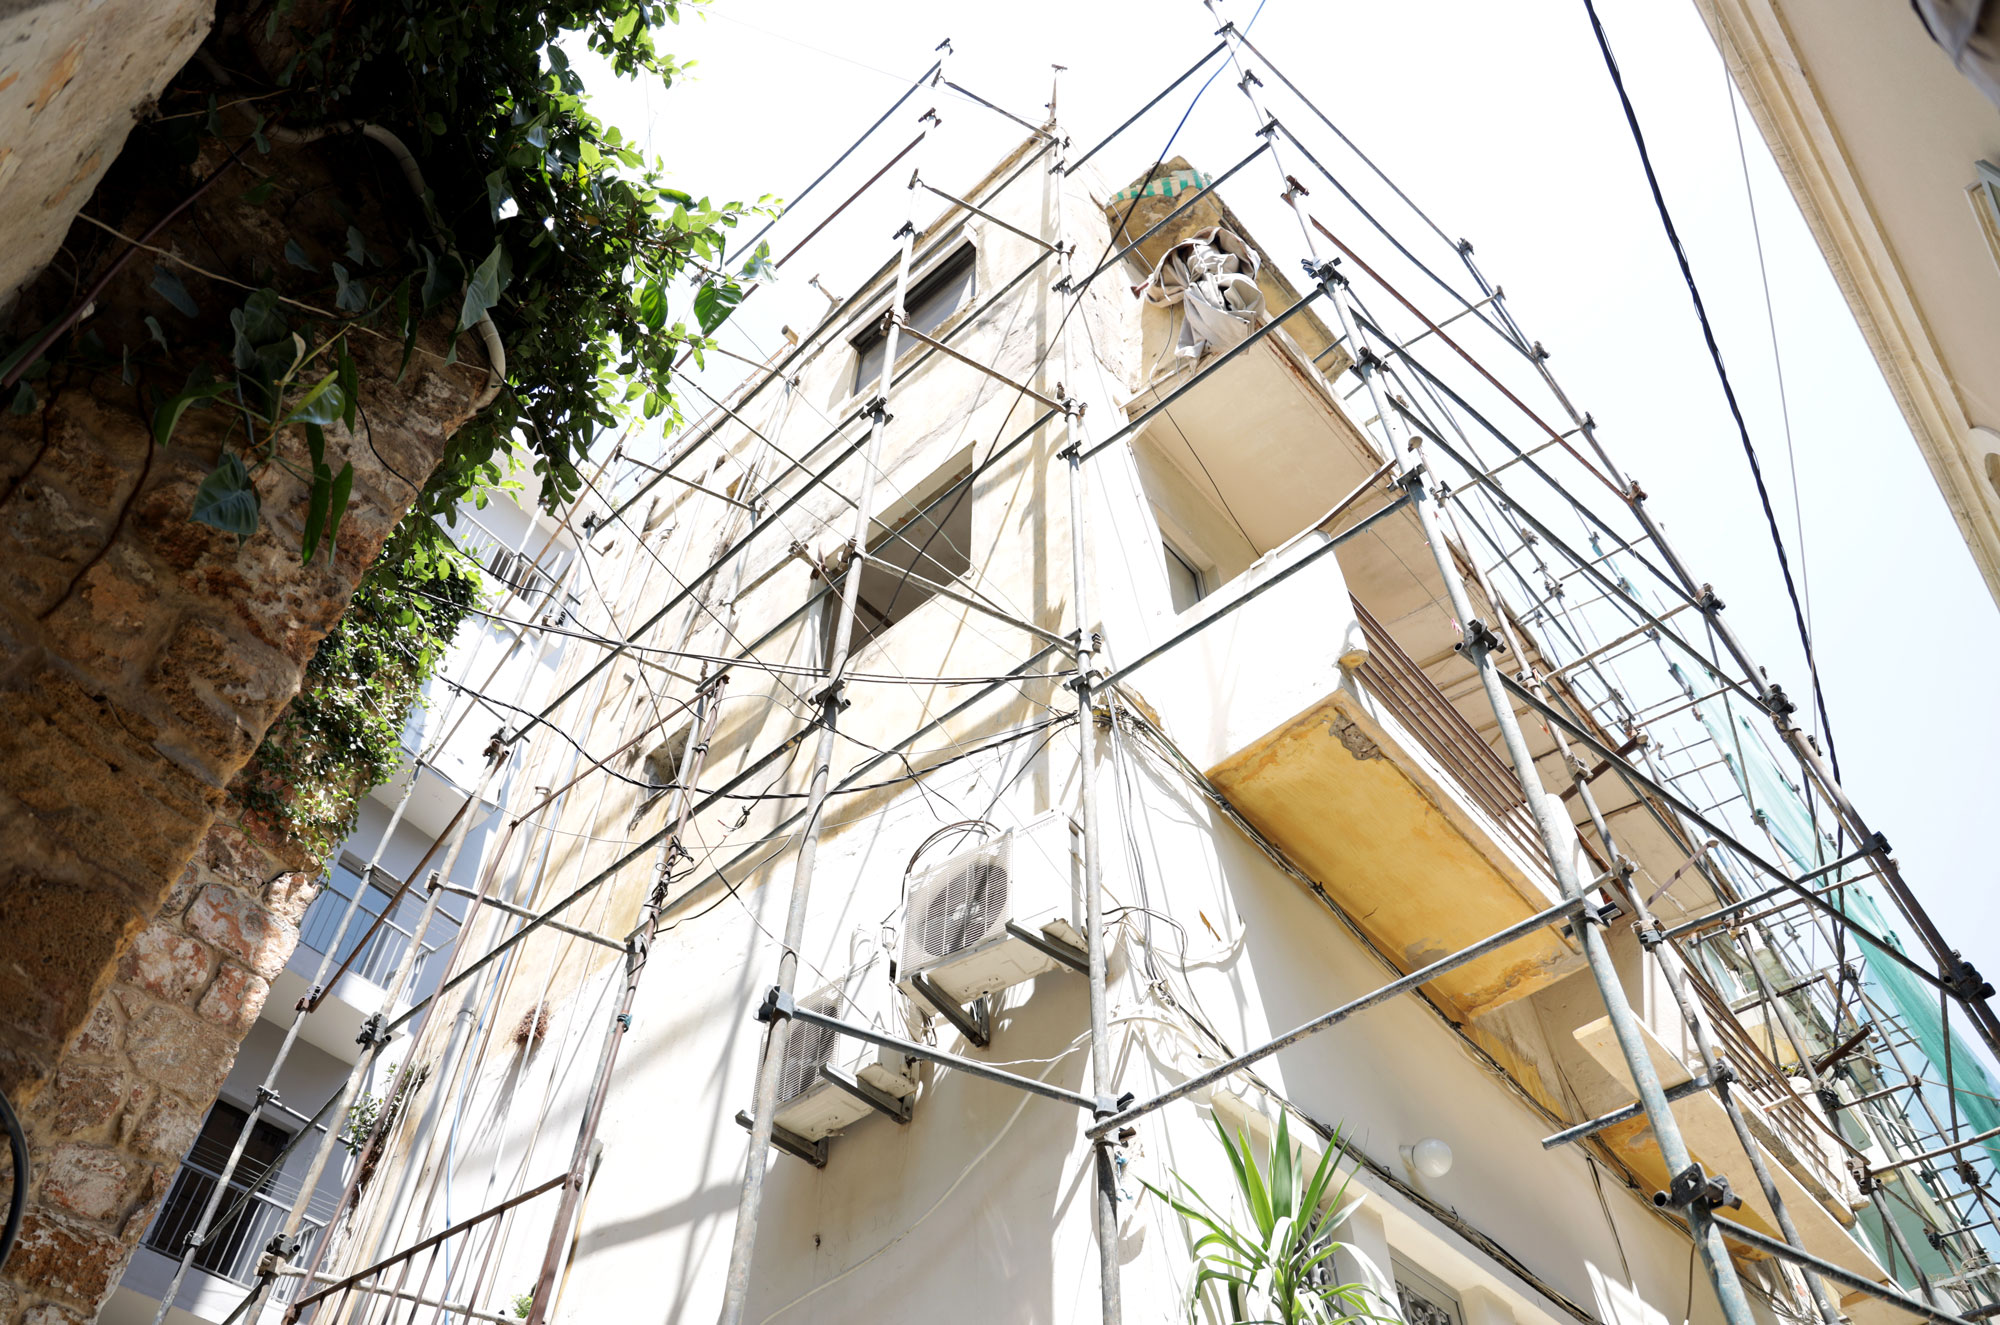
234, 1245
1414, 700
375, 955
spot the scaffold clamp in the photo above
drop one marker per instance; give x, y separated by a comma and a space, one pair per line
1480, 635
1691, 1185
374, 1031
1965, 980
777, 1006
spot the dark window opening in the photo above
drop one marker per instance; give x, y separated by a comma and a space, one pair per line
934, 544
234, 1243
944, 290
1184, 582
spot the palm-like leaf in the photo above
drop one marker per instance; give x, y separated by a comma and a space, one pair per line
1272, 1268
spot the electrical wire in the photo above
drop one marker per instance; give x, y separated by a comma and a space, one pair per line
1722, 375
17, 1198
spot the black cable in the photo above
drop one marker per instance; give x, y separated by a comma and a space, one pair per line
17, 1145
1722, 374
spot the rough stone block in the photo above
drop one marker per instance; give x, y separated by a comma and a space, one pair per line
235, 999
85, 1098
241, 928
224, 688
86, 1180
168, 1128
101, 1036
180, 1051
65, 1258
167, 964
88, 769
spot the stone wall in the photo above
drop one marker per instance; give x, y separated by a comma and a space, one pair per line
143, 657
133, 1085
73, 78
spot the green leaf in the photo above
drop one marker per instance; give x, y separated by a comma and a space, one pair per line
357, 246
297, 256
498, 195
259, 194
434, 122
714, 303
350, 386
322, 490
483, 290
758, 266
198, 391
169, 288
24, 400
409, 327
336, 504
153, 326
652, 305
322, 405
226, 499
350, 295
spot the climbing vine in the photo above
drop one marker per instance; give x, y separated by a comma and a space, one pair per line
525, 226
342, 735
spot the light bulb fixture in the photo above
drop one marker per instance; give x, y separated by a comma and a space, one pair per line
1429, 1157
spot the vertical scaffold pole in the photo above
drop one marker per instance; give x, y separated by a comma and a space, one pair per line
1669, 962
497, 755
1477, 646
1111, 1297
749, 1207
707, 706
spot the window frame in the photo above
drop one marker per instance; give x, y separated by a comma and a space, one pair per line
949, 479
963, 260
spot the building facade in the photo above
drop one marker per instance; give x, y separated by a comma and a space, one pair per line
1301, 793
1894, 159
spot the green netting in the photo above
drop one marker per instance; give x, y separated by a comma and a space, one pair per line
1783, 812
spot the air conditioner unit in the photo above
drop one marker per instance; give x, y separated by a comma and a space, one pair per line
828, 1081
995, 915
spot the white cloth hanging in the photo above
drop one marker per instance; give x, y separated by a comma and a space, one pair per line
1212, 275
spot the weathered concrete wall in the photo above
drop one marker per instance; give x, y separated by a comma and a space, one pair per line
74, 75
132, 1087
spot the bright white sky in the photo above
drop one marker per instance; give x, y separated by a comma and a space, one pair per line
1501, 122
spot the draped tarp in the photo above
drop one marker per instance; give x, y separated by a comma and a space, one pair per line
1212, 275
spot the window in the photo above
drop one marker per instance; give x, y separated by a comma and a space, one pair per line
1422, 1300
1184, 583
944, 290
233, 1244
934, 543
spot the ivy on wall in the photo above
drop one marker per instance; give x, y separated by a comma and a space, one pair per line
342, 736
527, 220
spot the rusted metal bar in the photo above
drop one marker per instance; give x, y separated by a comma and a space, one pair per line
354, 1280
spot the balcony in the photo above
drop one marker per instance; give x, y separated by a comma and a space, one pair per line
371, 958
235, 1244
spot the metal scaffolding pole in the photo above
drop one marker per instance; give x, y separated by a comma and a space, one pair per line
736, 1290
1110, 1296
1692, 1190
707, 709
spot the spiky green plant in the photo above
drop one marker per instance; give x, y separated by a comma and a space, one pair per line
1276, 1268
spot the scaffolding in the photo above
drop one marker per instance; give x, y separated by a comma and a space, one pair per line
1628, 703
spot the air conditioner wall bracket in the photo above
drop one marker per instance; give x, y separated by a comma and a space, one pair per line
1074, 958
879, 1100
976, 1023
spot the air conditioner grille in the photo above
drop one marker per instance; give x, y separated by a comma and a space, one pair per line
807, 1048
960, 904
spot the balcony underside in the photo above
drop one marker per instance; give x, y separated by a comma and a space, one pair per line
1354, 798
1816, 1209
